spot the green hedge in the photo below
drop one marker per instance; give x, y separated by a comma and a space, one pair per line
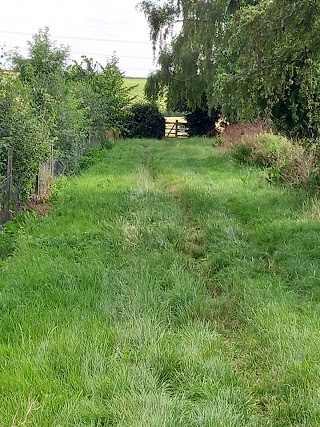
146, 121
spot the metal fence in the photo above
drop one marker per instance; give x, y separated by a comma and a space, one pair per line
61, 164
58, 164
6, 191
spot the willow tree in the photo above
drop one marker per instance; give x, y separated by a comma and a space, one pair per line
249, 57
270, 65
187, 34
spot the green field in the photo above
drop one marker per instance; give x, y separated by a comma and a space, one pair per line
166, 287
139, 83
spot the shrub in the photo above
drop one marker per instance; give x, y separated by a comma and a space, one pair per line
90, 157
233, 133
300, 168
146, 121
242, 153
268, 149
200, 123
283, 160
27, 134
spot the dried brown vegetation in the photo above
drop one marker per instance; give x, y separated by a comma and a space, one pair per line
233, 133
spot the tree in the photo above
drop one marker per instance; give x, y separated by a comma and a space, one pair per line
269, 65
187, 35
52, 97
26, 133
250, 58
102, 93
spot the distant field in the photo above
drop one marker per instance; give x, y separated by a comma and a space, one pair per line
138, 91
139, 82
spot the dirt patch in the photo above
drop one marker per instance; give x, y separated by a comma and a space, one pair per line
39, 208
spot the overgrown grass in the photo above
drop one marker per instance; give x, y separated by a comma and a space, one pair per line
166, 287
284, 161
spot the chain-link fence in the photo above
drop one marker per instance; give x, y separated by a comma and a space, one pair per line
60, 162
6, 191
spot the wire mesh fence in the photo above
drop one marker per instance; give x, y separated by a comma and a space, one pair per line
62, 159
6, 192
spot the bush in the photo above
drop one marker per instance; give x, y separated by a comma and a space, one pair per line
200, 123
283, 160
27, 134
242, 153
264, 150
91, 156
146, 121
233, 133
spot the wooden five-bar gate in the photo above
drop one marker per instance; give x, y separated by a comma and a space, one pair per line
176, 127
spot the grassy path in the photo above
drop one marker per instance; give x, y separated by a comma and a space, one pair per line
165, 288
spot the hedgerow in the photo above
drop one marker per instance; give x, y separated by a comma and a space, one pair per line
47, 103
27, 134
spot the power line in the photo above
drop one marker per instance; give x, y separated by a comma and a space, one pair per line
73, 52
128, 67
79, 38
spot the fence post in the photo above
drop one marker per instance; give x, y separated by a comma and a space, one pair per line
177, 126
51, 160
6, 212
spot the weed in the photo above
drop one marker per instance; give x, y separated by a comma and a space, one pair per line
92, 156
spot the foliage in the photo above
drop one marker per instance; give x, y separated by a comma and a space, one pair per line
200, 123
216, 59
186, 59
146, 121
20, 128
283, 160
53, 98
234, 132
46, 102
91, 156
102, 93
275, 74
242, 153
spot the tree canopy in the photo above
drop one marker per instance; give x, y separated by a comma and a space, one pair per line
46, 104
249, 57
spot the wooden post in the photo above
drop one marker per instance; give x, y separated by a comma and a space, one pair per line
176, 131
7, 204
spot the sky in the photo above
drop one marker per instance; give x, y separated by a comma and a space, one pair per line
95, 28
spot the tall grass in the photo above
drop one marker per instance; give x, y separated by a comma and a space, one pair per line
166, 287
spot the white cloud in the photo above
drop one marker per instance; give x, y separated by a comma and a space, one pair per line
113, 21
